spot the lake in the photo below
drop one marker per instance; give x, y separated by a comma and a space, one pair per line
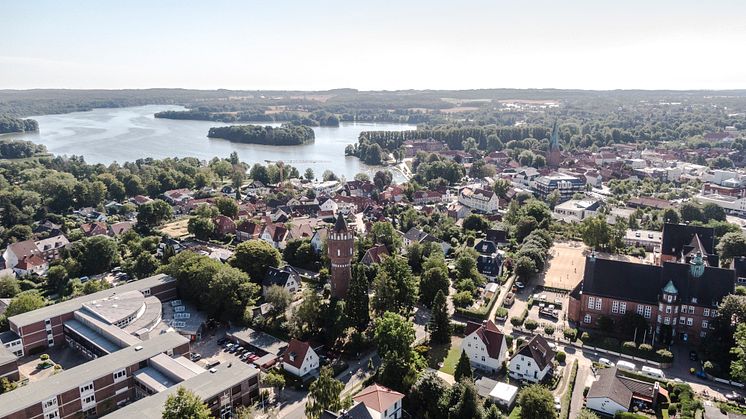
127, 134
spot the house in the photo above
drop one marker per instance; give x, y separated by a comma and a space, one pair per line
380, 402
479, 199
31, 265
613, 393
286, 277
140, 199
300, 231
248, 230
275, 234
647, 239
648, 202
48, 249
429, 197
94, 229
329, 205
576, 210
490, 264
120, 228
375, 255
224, 225
300, 359
486, 247
48, 228
566, 185
415, 235
485, 345
318, 239
533, 361
680, 242
177, 196
256, 188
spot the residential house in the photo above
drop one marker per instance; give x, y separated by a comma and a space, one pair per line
248, 230
94, 229
48, 249
285, 277
318, 239
300, 359
31, 265
300, 231
415, 235
120, 228
478, 199
647, 239
490, 265
380, 402
485, 345
532, 361
256, 188
224, 225
613, 393
48, 229
566, 185
499, 237
177, 196
140, 199
275, 234
425, 197
375, 255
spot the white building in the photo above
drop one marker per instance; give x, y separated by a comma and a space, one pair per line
485, 346
300, 359
728, 203
533, 361
498, 392
379, 402
614, 393
329, 205
576, 209
478, 199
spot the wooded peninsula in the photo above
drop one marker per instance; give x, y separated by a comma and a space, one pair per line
287, 134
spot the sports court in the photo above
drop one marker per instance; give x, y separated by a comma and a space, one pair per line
564, 267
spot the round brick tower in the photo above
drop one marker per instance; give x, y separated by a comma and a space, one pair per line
340, 242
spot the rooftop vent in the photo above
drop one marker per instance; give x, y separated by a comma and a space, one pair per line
138, 348
213, 370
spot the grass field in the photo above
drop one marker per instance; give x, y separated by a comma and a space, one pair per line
176, 229
449, 363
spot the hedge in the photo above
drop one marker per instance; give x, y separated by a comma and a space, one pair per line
481, 313
567, 397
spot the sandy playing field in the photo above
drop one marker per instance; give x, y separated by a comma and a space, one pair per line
176, 229
565, 266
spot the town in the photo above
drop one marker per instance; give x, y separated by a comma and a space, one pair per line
603, 282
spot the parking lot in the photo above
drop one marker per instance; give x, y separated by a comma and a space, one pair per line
553, 302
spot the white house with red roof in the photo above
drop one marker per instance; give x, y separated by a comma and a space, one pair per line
300, 359
381, 402
485, 345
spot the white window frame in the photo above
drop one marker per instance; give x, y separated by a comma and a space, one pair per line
615, 306
599, 303
640, 309
706, 312
622, 307
591, 302
648, 312
682, 320
689, 321
705, 324
587, 319
119, 375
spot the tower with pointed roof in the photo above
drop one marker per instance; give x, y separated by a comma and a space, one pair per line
554, 158
340, 242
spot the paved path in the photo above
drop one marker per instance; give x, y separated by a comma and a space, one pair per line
576, 404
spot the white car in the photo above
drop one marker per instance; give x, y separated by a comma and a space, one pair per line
557, 403
606, 362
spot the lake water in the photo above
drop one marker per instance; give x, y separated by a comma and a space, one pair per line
128, 134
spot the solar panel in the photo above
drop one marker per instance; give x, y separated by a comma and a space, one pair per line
175, 303
181, 315
179, 309
178, 324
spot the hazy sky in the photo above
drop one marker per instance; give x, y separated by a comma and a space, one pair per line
458, 44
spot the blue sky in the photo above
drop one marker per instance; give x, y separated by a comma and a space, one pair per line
373, 44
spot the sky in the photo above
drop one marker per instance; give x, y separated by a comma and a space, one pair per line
373, 45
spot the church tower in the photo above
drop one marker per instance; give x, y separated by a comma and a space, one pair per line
555, 157
340, 242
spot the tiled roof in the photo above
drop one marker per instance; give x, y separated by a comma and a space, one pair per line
378, 398
489, 334
295, 353
537, 349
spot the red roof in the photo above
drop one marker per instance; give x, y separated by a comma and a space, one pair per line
490, 335
378, 398
30, 262
296, 353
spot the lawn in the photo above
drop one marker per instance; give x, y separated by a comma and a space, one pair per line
449, 364
515, 413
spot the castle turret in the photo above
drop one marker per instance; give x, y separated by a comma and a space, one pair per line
340, 242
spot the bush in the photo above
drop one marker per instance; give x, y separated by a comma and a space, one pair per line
629, 345
585, 337
463, 299
672, 409
519, 342
709, 367
570, 333
664, 355
509, 341
560, 357
549, 329
611, 342
501, 312
44, 357
530, 302
645, 347
458, 328
531, 324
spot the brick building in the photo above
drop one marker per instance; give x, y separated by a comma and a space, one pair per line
340, 242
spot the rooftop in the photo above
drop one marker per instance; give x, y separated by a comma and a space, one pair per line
115, 308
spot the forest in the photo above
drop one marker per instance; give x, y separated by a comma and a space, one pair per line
13, 149
315, 119
8, 124
287, 134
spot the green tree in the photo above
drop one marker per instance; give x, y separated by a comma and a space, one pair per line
279, 297
324, 394
153, 213
395, 287
670, 215
275, 380
524, 267
691, 211
732, 245
463, 368
97, 254
222, 168
227, 206
426, 396
433, 281
308, 174
145, 265
9, 286
185, 405
476, 222
307, 316
713, 212
469, 405
595, 232
254, 257
384, 232
738, 366
394, 335
358, 300
440, 323
202, 227
587, 414
493, 413
536, 402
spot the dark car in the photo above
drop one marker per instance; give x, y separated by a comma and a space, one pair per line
222, 341
693, 356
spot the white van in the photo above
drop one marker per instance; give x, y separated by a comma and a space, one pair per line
625, 365
653, 372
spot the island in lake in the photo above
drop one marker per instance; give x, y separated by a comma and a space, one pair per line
9, 124
287, 134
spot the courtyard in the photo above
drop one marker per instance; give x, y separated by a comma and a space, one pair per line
564, 267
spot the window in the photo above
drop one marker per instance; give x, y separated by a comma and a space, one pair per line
694, 301
86, 388
640, 309
683, 308
89, 399
691, 309
120, 375
622, 307
667, 320
668, 309
689, 321
648, 312
702, 334
591, 302
706, 312
49, 403
660, 318
615, 306
587, 318
52, 415
598, 304
705, 324
714, 313
669, 298
682, 320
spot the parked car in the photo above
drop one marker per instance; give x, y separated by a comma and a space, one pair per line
520, 285
693, 356
195, 357
222, 341
557, 403
734, 397
212, 364
228, 347
605, 361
